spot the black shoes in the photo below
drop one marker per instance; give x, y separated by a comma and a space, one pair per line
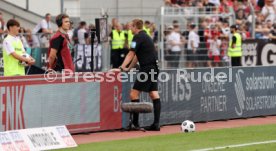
153, 127
135, 127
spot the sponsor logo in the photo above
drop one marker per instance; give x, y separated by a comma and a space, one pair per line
254, 84
6, 142
214, 99
269, 55
240, 93
11, 107
19, 141
249, 54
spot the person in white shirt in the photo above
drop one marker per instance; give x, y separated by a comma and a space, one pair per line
82, 33
71, 31
215, 45
14, 54
215, 2
225, 28
176, 41
269, 11
168, 47
41, 32
193, 43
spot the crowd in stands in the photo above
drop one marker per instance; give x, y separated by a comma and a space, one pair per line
264, 12
211, 34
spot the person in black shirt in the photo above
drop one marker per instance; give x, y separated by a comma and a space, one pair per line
59, 52
203, 53
142, 50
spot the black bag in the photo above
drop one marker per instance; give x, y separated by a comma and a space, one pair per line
34, 70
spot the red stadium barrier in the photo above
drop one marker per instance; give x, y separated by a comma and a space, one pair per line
111, 98
32, 101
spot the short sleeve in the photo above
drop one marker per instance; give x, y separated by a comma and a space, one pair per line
193, 36
44, 24
264, 11
135, 44
234, 39
57, 43
8, 47
168, 37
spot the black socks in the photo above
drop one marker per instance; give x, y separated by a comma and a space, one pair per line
135, 116
157, 110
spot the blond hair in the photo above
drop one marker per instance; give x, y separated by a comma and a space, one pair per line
138, 23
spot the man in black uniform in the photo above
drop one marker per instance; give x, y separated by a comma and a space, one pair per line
143, 51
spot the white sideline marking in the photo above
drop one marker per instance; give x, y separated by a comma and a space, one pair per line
235, 146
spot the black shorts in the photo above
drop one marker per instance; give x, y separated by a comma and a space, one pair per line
147, 79
203, 52
236, 61
191, 56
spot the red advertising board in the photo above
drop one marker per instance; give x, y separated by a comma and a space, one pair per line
16, 108
110, 105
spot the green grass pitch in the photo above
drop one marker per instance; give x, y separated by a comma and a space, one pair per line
192, 141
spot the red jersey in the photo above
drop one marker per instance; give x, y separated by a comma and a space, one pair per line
64, 60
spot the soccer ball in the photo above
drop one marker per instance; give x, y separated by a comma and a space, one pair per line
187, 126
24, 63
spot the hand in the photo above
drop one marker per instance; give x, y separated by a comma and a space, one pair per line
120, 69
114, 70
123, 69
31, 61
174, 43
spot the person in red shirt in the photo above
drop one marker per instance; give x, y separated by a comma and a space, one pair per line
214, 34
59, 52
224, 6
